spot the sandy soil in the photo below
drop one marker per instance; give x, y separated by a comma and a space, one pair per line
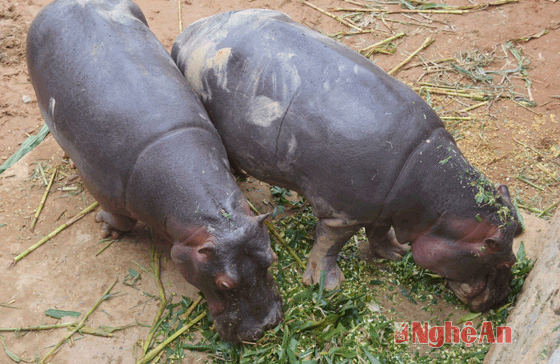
65, 273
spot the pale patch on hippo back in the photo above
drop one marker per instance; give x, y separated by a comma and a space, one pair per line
292, 144
195, 65
52, 104
263, 111
117, 13
218, 63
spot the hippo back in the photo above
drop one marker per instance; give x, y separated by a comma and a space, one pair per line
298, 109
107, 89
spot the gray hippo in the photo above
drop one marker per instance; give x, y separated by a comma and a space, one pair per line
143, 144
297, 109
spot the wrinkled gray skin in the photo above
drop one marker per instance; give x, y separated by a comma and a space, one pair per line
142, 142
297, 109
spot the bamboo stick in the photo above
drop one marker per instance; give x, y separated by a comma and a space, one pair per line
529, 183
547, 209
156, 267
55, 232
381, 43
424, 45
152, 354
50, 354
38, 328
345, 22
42, 203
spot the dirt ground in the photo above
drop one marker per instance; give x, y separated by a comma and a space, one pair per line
504, 139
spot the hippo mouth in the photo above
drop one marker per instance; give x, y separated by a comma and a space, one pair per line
485, 293
246, 315
468, 291
239, 322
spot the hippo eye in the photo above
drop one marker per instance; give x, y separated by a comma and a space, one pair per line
492, 244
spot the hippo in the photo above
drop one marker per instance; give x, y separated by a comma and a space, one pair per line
146, 150
299, 110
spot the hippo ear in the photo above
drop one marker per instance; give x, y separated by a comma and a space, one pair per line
504, 191
262, 218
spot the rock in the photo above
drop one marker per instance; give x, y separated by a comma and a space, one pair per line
534, 228
535, 320
26, 99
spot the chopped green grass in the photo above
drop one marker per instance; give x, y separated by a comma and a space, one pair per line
353, 324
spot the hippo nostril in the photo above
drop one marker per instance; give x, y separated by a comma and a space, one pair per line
507, 264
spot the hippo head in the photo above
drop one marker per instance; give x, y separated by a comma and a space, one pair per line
471, 249
230, 266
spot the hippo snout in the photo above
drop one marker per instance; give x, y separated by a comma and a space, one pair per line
486, 293
245, 321
250, 311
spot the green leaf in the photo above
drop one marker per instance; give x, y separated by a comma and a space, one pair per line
521, 252
372, 359
407, 295
445, 160
11, 355
27, 146
469, 317
321, 286
60, 314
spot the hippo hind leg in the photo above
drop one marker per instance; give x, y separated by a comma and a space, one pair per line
114, 224
331, 235
383, 242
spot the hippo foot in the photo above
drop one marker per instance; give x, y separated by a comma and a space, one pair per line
387, 246
332, 281
71, 163
114, 225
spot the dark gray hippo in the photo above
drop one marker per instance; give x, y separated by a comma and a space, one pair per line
143, 144
300, 110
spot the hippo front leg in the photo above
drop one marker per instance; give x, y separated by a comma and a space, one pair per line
383, 242
114, 224
331, 235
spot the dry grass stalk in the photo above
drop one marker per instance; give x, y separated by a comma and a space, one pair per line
464, 7
156, 268
526, 108
51, 353
547, 209
465, 93
345, 22
111, 241
373, 46
461, 118
40, 208
43, 173
529, 183
423, 11
38, 328
424, 45
545, 170
180, 16
408, 23
470, 108
54, 233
